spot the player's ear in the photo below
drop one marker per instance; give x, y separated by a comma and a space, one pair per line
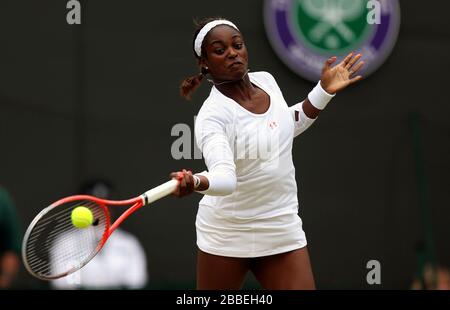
203, 67
203, 63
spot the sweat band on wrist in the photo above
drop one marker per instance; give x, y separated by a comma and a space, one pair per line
319, 98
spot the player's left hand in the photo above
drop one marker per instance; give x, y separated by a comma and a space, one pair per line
335, 79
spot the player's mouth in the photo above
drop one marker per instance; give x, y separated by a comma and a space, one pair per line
236, 64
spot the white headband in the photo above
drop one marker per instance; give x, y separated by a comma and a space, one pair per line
207, 28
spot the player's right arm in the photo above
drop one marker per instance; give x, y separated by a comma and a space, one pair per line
212, 139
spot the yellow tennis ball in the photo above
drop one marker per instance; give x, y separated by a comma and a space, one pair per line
82, 217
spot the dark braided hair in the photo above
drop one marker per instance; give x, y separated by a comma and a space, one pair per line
190, 84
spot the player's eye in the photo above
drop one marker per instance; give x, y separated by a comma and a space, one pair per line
219, 51
238, 45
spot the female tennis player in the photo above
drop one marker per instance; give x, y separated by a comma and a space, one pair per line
248, 218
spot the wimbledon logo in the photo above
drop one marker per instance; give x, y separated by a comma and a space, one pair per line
304, 33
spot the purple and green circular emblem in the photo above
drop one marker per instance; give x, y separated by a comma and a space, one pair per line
304, 33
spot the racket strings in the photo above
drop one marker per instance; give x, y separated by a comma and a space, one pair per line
55, 247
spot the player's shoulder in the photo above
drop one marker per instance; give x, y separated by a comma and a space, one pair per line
216, 106
261, 74
266, 79
263, 77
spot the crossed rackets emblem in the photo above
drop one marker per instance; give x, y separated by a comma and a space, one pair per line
332, 15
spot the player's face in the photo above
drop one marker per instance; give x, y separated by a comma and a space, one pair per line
226, 54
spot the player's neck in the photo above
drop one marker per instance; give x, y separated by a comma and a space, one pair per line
239, 90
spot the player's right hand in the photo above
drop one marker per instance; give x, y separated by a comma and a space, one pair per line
186, 183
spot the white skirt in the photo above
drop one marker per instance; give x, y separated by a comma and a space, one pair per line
252, 238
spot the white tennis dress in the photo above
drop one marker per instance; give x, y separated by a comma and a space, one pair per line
251, 206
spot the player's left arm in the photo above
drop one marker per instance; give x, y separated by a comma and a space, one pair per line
333, 80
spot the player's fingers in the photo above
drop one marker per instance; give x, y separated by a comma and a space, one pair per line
182, 184
356, 67
176, 192
352, 61
328, 63
356, 79
186, 181
347, 59
176, 176
190, 181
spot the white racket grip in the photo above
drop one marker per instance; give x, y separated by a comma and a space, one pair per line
159, 192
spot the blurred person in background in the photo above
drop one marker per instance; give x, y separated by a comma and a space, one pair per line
10, 239
443, 278
430, 275
432, 278
121, 264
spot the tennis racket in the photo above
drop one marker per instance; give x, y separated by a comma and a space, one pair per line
53, 247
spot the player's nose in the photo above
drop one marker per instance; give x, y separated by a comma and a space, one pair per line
232, 53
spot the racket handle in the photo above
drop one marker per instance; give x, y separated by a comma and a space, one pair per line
159, 192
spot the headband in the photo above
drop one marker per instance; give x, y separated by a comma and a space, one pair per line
204, 31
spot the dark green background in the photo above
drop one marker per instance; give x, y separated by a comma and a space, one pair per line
100, 100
